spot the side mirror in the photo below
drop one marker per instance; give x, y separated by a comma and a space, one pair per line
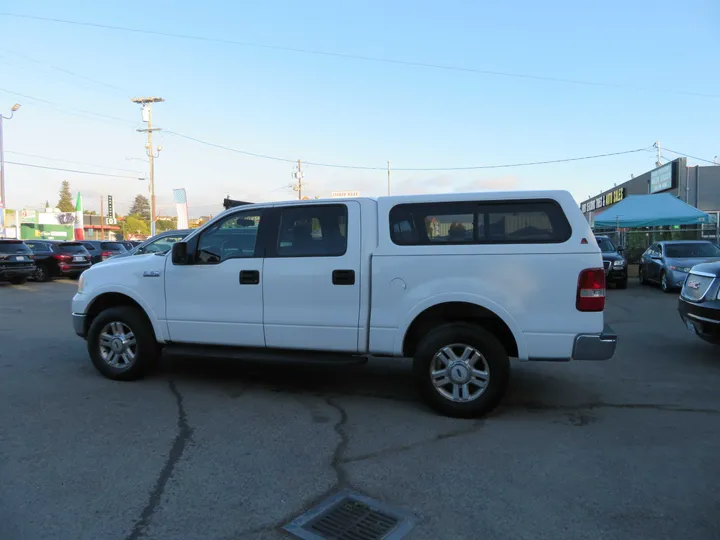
139, 251
180, 253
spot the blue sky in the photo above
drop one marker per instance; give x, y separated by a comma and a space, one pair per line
338, 110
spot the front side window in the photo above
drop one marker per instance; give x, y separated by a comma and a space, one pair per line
312, 231
691, 250
233, 237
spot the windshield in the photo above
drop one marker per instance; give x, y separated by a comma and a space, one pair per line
115, 246
606, 246
14, 247
692, 250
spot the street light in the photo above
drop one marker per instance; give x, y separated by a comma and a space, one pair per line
3, 204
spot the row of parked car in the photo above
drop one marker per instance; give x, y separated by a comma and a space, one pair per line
44, 260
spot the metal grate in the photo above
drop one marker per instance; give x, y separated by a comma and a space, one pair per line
351, 516
695, 287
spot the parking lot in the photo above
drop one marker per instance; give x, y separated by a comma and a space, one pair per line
215, 450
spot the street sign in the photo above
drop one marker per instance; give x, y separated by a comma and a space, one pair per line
340, 194
110, 221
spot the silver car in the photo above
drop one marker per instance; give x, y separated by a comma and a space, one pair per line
160, 243
669, 262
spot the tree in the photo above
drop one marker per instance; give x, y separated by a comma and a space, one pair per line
65, 204
140, 207
136, 225
162, 225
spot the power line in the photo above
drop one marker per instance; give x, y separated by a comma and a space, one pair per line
408, 169
61, 107
73, 162
66, 71
69, 170
348, 56
688, 155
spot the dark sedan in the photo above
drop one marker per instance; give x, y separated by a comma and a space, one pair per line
699, 304
16, 261
101, 250
616, 269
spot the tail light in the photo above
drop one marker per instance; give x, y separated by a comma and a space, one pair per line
63, 258
106, 254
591, 290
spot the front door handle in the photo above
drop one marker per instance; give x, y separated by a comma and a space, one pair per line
249, 277
343, 277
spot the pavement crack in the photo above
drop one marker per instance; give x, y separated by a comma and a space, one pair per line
403, 448
184, 434
338, 455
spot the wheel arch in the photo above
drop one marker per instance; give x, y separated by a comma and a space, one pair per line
493, 319
115, 299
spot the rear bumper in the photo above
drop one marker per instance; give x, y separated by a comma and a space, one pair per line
79, 324
595, 346
20, 271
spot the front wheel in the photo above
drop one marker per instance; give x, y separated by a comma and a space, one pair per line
641, 276
122, 343
461, 370
664, 283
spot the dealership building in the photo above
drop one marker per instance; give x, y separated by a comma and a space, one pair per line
697, 186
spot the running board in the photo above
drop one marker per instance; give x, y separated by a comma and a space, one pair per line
282, 356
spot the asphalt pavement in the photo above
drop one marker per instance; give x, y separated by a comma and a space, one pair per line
216, 450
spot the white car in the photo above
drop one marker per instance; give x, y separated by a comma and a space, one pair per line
458, 282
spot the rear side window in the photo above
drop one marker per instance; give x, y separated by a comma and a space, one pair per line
312, 231
72, 248
508, 222
14, 247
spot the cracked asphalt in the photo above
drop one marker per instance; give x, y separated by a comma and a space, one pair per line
215, 450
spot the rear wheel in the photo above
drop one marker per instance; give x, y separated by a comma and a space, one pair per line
461, 370
122, 343
18, 280
42, 273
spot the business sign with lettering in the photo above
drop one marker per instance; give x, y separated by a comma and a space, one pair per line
606, 199
338, 194
661, 178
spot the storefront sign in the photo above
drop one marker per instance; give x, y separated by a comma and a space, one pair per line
661, 178
611, 197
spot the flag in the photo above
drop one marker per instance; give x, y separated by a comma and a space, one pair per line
180, 198
79, 231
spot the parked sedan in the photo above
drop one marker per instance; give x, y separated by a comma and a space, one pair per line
102, 250
16, 261
55, 259
699, 304
616, 270
668, 263
160, 243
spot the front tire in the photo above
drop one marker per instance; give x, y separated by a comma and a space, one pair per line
122, 344
641, 276
664, 284
461, 370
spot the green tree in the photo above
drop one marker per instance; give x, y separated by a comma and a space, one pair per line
162, 225
140, 207
135, 224
65, 204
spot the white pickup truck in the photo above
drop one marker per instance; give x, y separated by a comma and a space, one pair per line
460, 283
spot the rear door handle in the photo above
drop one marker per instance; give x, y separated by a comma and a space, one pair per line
249, 277
343, 277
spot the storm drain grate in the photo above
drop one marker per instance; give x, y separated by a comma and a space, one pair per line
351, 516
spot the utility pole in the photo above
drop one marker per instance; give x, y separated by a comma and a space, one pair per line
3, 200
298, 176
388, 177
657, 147
102, 219
146, 103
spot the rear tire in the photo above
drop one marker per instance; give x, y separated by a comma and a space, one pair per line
641, 276
121, 343
664, 285
18, 280
453, 387
42, 273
